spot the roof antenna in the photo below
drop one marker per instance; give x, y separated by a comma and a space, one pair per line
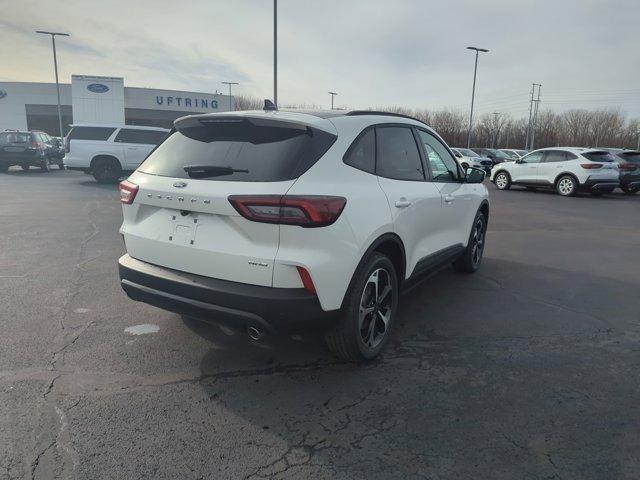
269, 106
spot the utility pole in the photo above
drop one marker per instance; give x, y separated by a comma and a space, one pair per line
638, 147
275, 52
473, 91
230, 83
526, 142
495, 129
535, 118
55, 65
333, 94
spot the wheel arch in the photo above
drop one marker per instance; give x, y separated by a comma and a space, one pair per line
107, 156
484, 208
391, 245
571, 174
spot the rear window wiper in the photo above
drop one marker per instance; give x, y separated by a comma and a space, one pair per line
206, 171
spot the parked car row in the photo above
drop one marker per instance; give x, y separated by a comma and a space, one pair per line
29, 149
570, 170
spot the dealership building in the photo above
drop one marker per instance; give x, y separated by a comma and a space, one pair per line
97, 100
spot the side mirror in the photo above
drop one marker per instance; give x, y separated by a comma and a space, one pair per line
519, 160
474, 175
458, 155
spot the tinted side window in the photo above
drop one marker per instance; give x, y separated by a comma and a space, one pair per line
362, 154
444, 167
534, 157
133, 135
552, 156
398, 155
90, 133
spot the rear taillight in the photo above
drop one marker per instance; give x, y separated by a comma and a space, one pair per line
36, 145
626, 166
591, 166
302, 210
128, 192
307, 283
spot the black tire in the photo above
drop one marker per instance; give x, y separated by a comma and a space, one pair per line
502, 180
567, 186
44, 166
359, 336
629, 191
106, 170
61, 166
471, 259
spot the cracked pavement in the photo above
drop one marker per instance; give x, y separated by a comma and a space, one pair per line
528, 369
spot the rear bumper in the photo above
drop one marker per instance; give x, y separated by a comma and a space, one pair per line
21, 159
597, 185
630, 181
239, 305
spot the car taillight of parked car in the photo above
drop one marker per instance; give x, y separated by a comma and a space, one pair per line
128, 192
37, 145
627, 166
591, 166
303, 210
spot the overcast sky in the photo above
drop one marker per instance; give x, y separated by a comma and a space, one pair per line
372, 52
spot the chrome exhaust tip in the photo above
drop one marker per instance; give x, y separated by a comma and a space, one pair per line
255, 334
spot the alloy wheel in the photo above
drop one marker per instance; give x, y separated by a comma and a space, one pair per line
501, 181
376, 305
565, 186
478, 241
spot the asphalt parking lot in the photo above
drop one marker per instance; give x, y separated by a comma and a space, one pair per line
529, 369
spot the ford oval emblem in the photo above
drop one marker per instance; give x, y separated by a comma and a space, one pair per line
179, 184
3, 93
97, 88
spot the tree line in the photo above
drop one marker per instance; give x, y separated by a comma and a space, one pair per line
571, 128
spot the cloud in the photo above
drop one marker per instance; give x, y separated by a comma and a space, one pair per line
404, 52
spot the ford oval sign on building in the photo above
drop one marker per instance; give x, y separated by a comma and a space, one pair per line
2, 93
97, 88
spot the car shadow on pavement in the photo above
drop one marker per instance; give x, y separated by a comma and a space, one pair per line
509, 369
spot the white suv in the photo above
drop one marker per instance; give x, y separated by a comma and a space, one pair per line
468, 158
109, 151
567, 170
282, 221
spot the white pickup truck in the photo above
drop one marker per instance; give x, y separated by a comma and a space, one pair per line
108, 152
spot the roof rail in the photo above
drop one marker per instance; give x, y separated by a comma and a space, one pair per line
378, 112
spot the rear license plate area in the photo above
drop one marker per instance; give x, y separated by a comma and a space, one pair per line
182, 229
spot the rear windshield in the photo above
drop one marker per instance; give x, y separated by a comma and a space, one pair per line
90, 133
238, 151
633, 157
15, 137
600, 156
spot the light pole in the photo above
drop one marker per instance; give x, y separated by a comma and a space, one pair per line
638, 147
55, 65
496, 115
230, 83
333, 94
473, 91
275, 52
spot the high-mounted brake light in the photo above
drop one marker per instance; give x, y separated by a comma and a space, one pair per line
303, 210
128, 192
591, 166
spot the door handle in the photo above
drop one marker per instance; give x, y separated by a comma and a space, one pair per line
132, 148
448, 199
402, 203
